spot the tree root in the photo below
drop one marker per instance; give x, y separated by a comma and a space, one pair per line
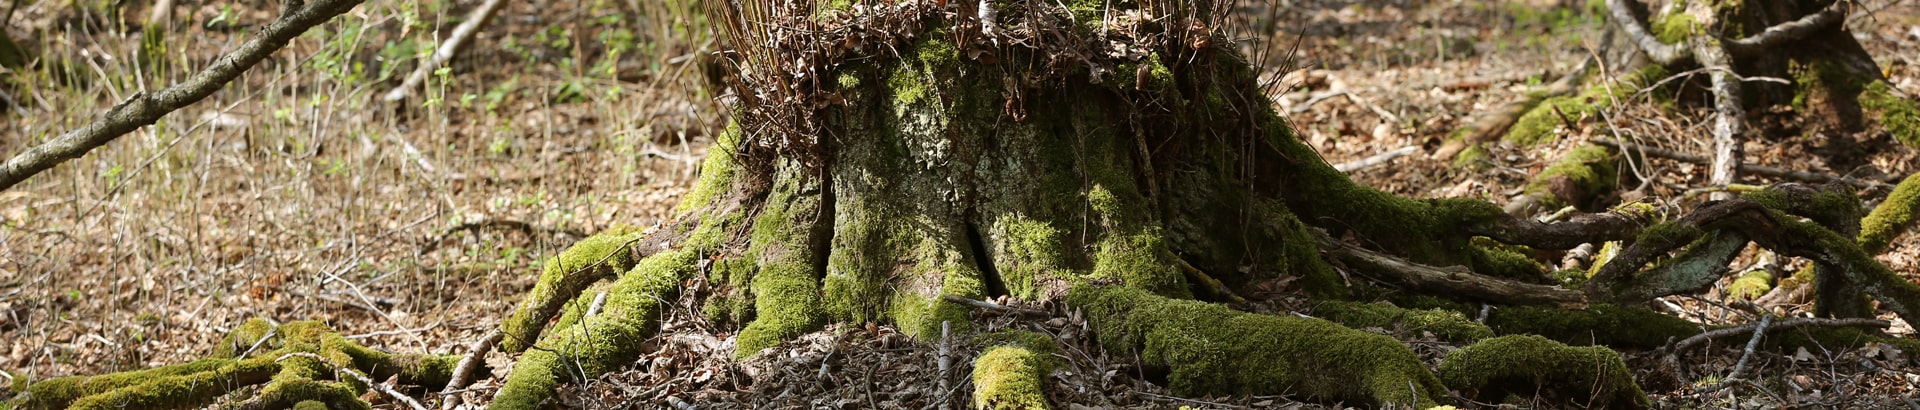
1012, 376
1214, 350
296, 363
1530, 365
1846, 264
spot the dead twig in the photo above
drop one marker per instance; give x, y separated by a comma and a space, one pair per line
462, 373
1762, 170
993, 306
382, 388
1376, 159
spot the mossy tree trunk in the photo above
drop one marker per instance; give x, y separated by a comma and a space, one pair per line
1123, 161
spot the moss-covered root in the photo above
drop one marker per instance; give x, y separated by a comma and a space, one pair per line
1214, 350
1444, 324
1892, 217
1529, 365
296, 362
561, 279
1599, 324
1583, 174
1011, 376
609, 338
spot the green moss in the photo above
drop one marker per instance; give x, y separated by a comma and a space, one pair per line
1600, 324
1584, 172
731, 304
1893, 216
1674, 27
1901, 116
786, 303
561, 278
1537, 124
282, 373
1533, 366
1010, 377
601, 342
1446, 325
310, 405
1212, 350
243, 337
1750, 285
1140, 260
1030, 249
717, 172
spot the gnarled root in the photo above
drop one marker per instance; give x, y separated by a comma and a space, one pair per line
293, 363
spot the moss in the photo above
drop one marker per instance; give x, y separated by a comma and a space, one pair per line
1031, 249
786, 288
1212, 350
731, 304
604, 341
1675, 27
717, 172
1533, 366
1585, 172
1448, 325
1750, 285
244, 337
561, 278
1893, 216
1600, 324
310, 405
1900, 116
1537, 124
1010, 377
291, 378
786, 303
1140, 260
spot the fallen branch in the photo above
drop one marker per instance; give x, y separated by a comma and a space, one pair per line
145, 108
462, 373
455, 41
994, 306
1452, 280
1792, 30
1761, 170
1703, 337
1376, 159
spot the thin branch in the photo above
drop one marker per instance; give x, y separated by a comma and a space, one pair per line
1762, 170
142, 108
1453, 280
382, 388
1729, 120
462, 373
1792, 30
993, 306
1376, 159
455, 41
1660, 52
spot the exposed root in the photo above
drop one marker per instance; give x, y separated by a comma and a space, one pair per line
1012, 376
594, 344
298, 364
1533, 366
1214, 350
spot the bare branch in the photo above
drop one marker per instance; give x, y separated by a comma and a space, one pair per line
463, 373
142, 108
1729, 120
447, 50
1452, 280
1660, 52
1762, 170
1789, 31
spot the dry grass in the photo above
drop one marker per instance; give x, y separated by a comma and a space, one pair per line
292, 194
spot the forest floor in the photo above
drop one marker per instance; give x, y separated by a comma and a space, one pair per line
293, 194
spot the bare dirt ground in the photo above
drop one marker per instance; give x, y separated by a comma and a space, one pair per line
294, 195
